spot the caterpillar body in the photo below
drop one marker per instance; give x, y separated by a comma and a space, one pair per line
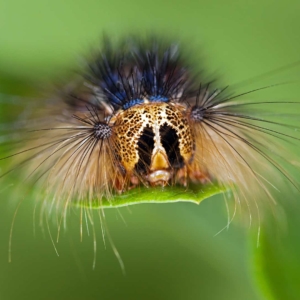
140, 115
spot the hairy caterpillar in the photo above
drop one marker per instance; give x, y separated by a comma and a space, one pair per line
143, 115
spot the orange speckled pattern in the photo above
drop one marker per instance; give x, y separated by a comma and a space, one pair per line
128, 126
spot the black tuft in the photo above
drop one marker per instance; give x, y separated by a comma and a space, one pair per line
102, 131
197, 114
206, 103
139, 71
98, 129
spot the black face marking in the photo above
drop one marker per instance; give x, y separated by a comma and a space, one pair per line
145, 149
170, 142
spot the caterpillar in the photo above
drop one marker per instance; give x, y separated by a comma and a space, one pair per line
142, 114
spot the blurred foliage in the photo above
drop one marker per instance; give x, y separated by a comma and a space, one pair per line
170, 251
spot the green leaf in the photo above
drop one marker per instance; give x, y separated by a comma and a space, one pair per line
194, 193
277, 258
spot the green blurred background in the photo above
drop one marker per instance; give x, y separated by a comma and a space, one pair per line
170, 251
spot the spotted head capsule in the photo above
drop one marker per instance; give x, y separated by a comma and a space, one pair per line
153, 140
